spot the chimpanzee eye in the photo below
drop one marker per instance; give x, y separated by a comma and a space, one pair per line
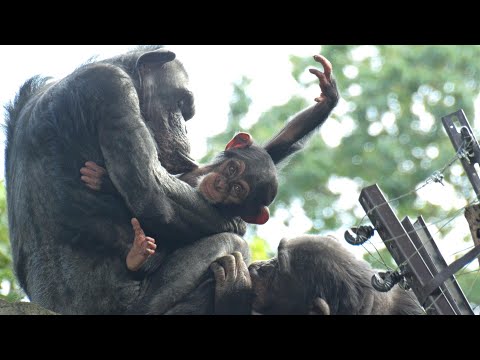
232, 170
238, 189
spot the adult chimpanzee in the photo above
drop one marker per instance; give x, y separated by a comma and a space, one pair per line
125, 113
310, 275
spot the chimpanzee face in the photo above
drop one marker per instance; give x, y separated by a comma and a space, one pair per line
275, 291
166, 103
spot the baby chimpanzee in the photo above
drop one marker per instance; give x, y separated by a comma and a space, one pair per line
242, 181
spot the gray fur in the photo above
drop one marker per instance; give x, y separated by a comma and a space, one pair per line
69, 243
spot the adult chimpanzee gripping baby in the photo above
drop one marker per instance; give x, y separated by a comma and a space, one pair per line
126, 114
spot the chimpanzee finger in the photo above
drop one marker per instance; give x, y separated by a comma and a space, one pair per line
136, 228
228, 263
87, 180
90, 172
324, 81
240, 263
95, 167
150, 239
327, 65
92, 181
151, 245
90, 184
93, 187
218, 272
328, 86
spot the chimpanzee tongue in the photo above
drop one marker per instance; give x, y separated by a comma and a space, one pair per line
259, 219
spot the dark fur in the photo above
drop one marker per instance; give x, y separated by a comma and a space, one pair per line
314, 267
69, 243
260, 173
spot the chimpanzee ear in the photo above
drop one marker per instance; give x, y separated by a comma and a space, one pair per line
319, 307
240, 141
283, 258
260, 218
157, 57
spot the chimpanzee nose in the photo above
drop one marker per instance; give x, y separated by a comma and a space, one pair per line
220, 184
252, 267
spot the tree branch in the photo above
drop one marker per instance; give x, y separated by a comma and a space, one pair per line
22, 308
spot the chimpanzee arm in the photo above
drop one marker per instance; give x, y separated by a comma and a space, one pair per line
156, 198
186, 269
293, 136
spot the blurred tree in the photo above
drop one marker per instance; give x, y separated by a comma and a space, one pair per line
8, 287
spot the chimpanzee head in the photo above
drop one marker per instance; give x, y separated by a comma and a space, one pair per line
166, 103
242, 180
310, 274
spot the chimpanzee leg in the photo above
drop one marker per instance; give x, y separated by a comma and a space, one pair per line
185, 270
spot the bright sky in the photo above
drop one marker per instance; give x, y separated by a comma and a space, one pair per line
212, 71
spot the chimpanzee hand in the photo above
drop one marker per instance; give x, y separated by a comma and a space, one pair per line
96, 178
233, 286
239, 226
143, 247
328, 85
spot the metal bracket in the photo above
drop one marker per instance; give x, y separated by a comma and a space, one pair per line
464, 135
417, 263
453, 294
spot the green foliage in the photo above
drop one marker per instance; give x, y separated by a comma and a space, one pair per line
470, 283
378, 259
7, 279
396, 96
259, 249
239, 107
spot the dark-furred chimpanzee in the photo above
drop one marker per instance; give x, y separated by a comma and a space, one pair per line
310, 275
127, 114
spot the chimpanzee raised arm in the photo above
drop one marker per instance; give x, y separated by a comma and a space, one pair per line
294, 135
235, 196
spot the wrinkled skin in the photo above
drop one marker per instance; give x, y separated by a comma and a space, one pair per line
310, 275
